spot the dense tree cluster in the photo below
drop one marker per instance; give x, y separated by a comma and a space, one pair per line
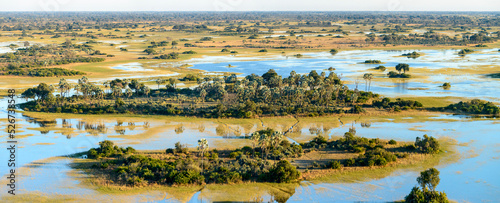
397, 105
172, 55
309, 94
427, 145
474, 106
431, 38
372, 61
42, 72
29, 60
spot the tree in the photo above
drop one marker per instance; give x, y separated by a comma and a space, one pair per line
267, 139
128, 92
269, 74
150, 51
172, 82
64, 87
203, 94
429, 179
202, 146
427, 145
283, 172
160, 82
29, 93
146, 90
402, 67
43, 91
367, 77
134, 85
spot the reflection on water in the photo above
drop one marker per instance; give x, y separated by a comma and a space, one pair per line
401, 86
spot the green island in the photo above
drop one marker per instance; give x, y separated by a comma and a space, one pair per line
412, 55
272, 159
312, 94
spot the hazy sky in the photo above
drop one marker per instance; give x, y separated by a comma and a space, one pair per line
249, 5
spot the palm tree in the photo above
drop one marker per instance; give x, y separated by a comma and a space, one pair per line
264, 143
203, 94
368, 77
172, 81
365, 77
128, 92
255, 140
202, 146
159, 82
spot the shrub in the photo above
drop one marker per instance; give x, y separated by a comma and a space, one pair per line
350, 162
189, 52
373, 61
381, 68
335, 165
427, 145
446, 85
179, 148
283, 172
475, 106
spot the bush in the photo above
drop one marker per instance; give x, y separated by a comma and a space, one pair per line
475, 106
393, 142
350, 162
335, 165
412, 55
206, 39
373, 61
381, 68
172, 55
394, 74
283, 172
465, 51
179, 148
189, 52
446, 85
427, 145
108, 149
